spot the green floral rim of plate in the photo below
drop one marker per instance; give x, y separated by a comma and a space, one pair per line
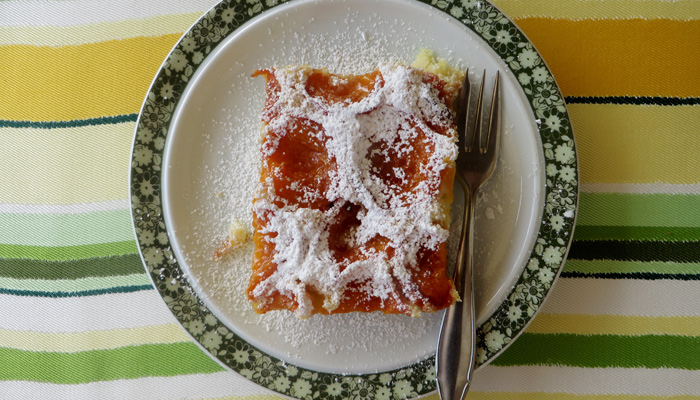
502, 327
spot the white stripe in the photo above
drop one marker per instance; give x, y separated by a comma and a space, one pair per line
145, 308
199, 386
587, 381
79, 208
67, 13
88, 313
640, 188
652, 298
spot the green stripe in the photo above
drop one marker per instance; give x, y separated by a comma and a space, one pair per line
81, 293
74, 285
635, 250
649, 276
632, 209
91, 267
596, 232
105, 365
66, 229
629, 267
117, 119
67, 253
601, 351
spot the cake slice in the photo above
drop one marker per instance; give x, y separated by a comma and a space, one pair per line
352, 208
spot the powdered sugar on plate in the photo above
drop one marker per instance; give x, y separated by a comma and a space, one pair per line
213, 160
226, 178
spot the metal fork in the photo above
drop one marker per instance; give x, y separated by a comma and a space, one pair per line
478, 151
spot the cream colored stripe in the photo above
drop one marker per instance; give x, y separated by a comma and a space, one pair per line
661, 298
98, 32
92, 340
65, 165
79, 12
77, 208
626, 325
641, 188
196, 386
637, 144
600, 9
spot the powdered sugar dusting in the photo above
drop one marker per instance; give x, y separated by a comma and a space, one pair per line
401, 106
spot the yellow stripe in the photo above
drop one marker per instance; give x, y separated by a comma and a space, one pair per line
92, 340
473, 395
581, 324
619, 57
79, 82
65, 165
637, 144
601, 9
56, 36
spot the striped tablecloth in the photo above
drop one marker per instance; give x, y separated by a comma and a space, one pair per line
79, 318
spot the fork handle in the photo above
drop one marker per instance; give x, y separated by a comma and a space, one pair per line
454, 359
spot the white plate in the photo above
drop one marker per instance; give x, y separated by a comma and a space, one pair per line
201, 123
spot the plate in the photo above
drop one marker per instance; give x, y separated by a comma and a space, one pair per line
195, 163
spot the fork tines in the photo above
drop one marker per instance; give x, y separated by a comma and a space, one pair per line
477, 132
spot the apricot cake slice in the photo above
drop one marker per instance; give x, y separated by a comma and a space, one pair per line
352, 208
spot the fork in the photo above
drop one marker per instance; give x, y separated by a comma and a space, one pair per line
478, 150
